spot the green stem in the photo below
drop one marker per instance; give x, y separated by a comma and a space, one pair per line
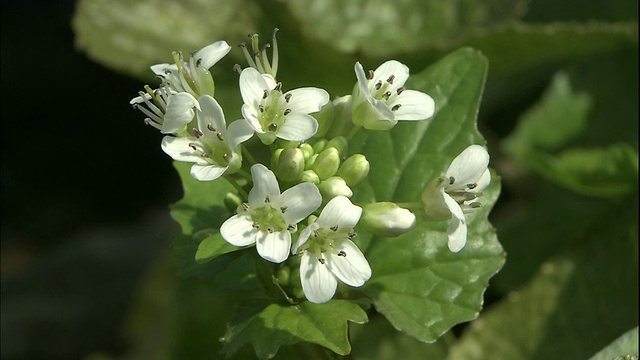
235, 184
353, 131
248, 155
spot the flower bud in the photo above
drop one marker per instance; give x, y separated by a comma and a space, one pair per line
290, 164
274, 158
340, 143
320, 145
333, 187
324, 118
307, 151
310, 176
354, 169
283, 275
386, 219
434, 208
327, 163
232, 201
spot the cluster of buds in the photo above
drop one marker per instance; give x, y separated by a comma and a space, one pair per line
311, 174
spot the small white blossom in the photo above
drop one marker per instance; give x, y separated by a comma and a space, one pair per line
192, 76
274, 114
166, 110
328, 253
212, 147
380, 99
270, 217
452, 195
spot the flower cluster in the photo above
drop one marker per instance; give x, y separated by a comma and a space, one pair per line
307, 174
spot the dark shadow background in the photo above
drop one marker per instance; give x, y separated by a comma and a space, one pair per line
80, 224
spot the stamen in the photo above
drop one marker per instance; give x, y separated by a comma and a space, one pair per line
219, 135
278, 87
342, 253
472, 186
247, 55
270, 230
261, 108
193, 146
211, 128
390, 79
265, 60
148, 121
265, 94
386, 95
475, 205
287, 112
198, 62
197, 133
396, 107
291, 227
287, 97
400, 90
205, 155
283, 209
321, 260
274, 53
245, 206
273, 127
266, 199
256, 226
226, 157
316, 233
334, 228
378, 85
237, 68
451, 180
370, 75
352, 235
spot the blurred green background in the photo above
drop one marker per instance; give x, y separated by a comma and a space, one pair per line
85, 186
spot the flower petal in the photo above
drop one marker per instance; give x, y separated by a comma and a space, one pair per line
468, 167
238, 230
318, 284
252, 86
211, 54
274, 246
179, 150
300, 200
298, 127
304, 236
484, 181
239, 132
414, 105
211, 113
250, 114
207, 172
264, 184
307, 100
352, 268
162, 69
399, 71
341, 212
457, 230
179, 112
363, 82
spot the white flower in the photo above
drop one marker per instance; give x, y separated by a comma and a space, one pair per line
453, 195
213, 147
166, 110
380, 99
270, 217
274, 114
193, 76
328, 253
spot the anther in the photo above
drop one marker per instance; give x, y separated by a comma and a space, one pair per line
342, 253
226, 157
245, 206
237, 68
390, 79
193, 146
287, 112
266, 199
291, 227
198, 62
352, 235
261, 108
386, 95
451, 180
321, 260
334, 228
205, 155
265, 94
197, 133
316, 233
378, 85
283, 209
219, 135
256, 226
396, 107
278, 87
211, 128
273, 127
475, 205
270, 230
287, 97
370, 75
472, 186
400, 90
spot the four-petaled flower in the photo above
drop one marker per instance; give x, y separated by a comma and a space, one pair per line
453, 195
274, 114
192, 77
380, 99
212, 148
270, 217
328, 253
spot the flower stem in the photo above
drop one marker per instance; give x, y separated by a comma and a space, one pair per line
235, 184
248, 155
353, 131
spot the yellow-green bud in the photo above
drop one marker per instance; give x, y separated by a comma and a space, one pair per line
324, 118
327, 163
290, 164
386, 219
354, 169
275, 157
333, 187
307, 151
320, 145
340, 143
312, 160
232, 201
310, 176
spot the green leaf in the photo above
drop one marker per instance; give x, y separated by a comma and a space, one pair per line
418, 284
621, 349
355, 26
200, 214
576, 304
277, 325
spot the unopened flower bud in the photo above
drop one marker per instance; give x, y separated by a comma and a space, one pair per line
310, 176
354, 169
333, 187
307, 151
327, 163
290, 164
274, 158
320, 145
386, 219
232, 201
340, 143
325, 119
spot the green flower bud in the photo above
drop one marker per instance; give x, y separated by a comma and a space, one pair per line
232, 201
290, 164
285, 144
312, 160
333, 187
324, 118
275, 157
339, 143
354, 169
283, 275
327, 163
386, 219
307, 151
310, 176
320, 145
